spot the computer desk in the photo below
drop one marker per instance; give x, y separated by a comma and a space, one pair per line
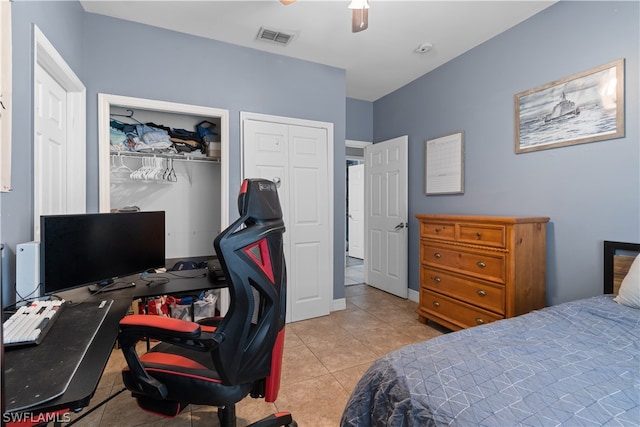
85, 379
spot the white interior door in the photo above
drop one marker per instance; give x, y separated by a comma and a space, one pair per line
386, 242
59, 135
297, 158
356, 210
50, 144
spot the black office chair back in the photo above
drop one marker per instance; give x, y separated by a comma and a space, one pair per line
251, 255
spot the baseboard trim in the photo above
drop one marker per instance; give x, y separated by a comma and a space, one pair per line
414, 295
339, 304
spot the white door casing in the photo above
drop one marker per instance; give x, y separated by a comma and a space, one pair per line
386, 221
356, 211
59, 135
296, 154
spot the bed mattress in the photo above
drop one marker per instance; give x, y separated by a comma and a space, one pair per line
576, 363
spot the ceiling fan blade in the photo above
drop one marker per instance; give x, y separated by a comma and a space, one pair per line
359, 20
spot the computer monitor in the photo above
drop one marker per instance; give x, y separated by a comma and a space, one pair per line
85, 249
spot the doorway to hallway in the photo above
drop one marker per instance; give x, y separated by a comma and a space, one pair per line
353, 271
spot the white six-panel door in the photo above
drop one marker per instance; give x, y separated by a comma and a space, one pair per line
50, 144
297, 158
59, 135
386, 184
356, 211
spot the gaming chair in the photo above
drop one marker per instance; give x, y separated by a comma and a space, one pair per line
219, 361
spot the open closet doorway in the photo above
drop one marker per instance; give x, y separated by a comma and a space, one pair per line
355, 213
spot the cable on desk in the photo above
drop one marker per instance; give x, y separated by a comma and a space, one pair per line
112, 287
14, 307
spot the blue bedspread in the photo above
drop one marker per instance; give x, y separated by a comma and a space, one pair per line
573, 364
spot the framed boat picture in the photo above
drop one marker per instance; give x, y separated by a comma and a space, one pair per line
584, 107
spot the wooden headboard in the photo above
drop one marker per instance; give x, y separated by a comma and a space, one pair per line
616, 264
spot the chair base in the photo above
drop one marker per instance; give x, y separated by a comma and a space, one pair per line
227, 418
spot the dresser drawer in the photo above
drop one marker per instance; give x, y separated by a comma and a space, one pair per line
475, 292
453, 311
487, 235
436, 230
484, 265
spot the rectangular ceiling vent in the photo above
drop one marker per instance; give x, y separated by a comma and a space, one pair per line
275, 36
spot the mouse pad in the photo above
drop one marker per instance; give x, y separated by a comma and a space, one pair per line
36, 374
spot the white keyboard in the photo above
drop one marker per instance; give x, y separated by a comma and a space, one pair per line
31, 322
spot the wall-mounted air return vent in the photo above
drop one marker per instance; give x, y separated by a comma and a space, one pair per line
275, 36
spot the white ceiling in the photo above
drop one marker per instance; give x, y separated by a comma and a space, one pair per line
377, 61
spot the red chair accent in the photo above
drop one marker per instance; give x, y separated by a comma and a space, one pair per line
220, 361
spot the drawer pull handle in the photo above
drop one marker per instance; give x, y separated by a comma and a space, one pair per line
436, 304
437, 255
437, 279
481, 264
482, 292
479, 235
437, 230
479, 321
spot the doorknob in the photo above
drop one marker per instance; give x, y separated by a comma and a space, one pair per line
401, 226
276, 180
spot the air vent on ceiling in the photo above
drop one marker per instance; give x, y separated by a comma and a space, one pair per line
275, 36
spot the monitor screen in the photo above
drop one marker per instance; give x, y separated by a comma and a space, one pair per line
84, 249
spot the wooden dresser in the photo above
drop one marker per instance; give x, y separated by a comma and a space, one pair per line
478, 269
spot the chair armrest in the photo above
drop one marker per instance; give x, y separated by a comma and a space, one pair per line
166, 329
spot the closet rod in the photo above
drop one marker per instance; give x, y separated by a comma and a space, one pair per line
181, 157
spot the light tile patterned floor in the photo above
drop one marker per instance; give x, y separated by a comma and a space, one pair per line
323, 360
353, 271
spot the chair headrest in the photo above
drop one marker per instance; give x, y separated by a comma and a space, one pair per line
258, 199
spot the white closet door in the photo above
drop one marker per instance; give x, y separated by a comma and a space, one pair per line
297, 157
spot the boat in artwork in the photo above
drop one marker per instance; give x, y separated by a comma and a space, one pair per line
563, 109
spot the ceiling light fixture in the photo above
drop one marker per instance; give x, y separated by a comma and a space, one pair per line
359, 15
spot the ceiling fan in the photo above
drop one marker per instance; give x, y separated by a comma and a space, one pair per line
359, 14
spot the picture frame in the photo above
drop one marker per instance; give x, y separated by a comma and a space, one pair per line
444, 164
584, 107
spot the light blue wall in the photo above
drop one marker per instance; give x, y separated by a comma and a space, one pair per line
130, 59
119, 57
359, 120
62, 24
590, 191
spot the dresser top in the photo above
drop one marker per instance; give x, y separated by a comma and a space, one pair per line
483, 218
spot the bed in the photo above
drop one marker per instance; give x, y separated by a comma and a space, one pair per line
574, 364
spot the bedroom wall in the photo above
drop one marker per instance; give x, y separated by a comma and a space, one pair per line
591, 191
62, 24
359, 120
131, 59
119, 57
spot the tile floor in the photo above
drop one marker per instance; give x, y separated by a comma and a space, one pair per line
353, 271
323, 360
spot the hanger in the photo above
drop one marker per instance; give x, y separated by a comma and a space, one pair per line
121, 167
169, 173
129, 115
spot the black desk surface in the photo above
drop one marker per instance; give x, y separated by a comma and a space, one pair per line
85, 380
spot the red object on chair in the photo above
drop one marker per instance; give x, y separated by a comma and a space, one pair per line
220, 361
